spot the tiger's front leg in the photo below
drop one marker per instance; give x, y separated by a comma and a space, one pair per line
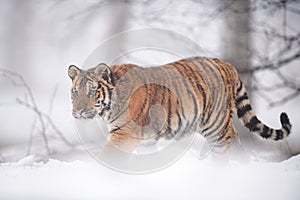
120, 145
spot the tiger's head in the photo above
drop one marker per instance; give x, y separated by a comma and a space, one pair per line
91, 91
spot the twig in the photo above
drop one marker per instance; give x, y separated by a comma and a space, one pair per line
41, 120
31, 137
272, 66
59, 133
285, 99
32, 101
52, 100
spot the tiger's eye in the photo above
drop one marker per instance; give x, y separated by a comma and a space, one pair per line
75, 91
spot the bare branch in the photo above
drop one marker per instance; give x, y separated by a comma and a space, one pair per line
30, 103
52, 100
59, 133
272, 66
13, 76
33, 126
41, 120
285, 99
293, 10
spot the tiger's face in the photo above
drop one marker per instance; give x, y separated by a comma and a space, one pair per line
90, 91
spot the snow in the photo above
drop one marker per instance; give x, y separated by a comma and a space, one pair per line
188, 178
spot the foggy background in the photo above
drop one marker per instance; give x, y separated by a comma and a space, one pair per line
40, 39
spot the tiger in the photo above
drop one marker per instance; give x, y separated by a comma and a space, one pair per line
191, 95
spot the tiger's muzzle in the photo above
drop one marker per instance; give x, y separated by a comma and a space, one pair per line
84, 114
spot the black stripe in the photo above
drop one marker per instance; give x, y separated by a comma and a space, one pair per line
109, 93
160, 132
103, 92
223, 131
103, 97
154, 97
187, 128
101, 113
209, 75
265, 132
144, 103
199, 86
219, 67
279, 135
169, 113
111, 76
179, 123
162, 104
115, 129
213, 124
240, 87
109, 102
218, 105
211, 69
176, 87
215, 103
102, 102
169, 104
241, 98
252, 124
284, 119
192, 78
106, 108
218, 126
286, 129
163, 96
123, 125
184, 131
243, 110
174, 132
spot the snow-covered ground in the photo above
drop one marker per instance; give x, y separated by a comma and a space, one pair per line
188, 178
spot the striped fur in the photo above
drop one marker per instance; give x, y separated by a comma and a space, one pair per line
190, 95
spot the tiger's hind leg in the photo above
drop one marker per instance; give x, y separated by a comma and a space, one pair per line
225, 145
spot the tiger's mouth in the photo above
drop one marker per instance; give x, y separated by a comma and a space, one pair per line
84, 114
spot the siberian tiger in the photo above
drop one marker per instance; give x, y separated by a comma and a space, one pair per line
173, 100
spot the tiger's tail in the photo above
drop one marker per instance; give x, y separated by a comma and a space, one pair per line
248, 117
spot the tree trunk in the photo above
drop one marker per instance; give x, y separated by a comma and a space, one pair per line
236, 39
236, 45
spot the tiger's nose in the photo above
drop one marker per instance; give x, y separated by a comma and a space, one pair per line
80, 107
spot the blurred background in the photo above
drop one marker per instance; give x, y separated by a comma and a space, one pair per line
40, 39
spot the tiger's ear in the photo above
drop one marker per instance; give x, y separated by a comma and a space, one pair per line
104, 72
73, 71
